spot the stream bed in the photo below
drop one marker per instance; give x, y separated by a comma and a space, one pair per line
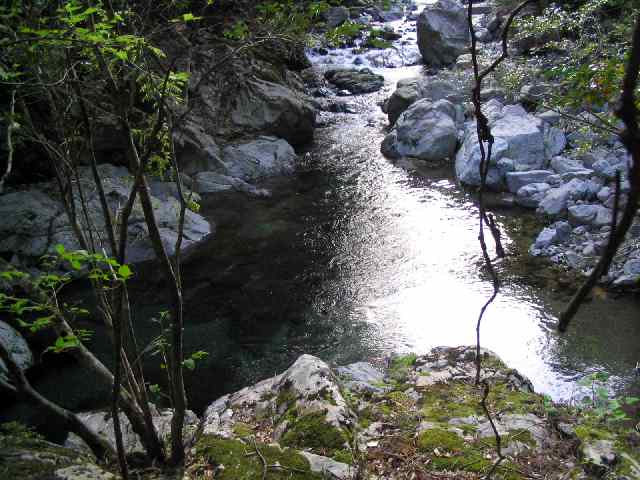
354, 258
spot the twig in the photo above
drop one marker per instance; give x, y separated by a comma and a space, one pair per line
10, 127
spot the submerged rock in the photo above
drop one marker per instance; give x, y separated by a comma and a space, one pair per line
355, 81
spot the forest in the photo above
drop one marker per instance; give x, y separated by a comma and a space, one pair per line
341, 239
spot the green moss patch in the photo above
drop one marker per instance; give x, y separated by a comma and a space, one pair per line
242, 462
401, 366
312, 431
439, 438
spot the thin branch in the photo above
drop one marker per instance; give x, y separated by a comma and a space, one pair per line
10, 127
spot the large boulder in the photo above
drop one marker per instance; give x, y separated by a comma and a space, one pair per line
17, 347
443, 32
26, 222
354, 80
523, 142
407, 91
410, 90
273, 109
36, 221
306, 396
263, 157
197, 151
426, 131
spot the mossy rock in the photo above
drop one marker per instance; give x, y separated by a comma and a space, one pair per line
400, 367
312, 431
26, 455
439, 438
242, 462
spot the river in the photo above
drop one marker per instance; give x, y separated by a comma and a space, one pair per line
353, 258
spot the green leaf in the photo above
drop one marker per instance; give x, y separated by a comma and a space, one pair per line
125, 272
189, 363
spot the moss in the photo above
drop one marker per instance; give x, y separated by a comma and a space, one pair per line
441, 402
400, 367
266, 396
589, 433
285, 399
323, 394
312, 431
30, 456
242, 429
344, 456
241, 461
474, 462
439, 438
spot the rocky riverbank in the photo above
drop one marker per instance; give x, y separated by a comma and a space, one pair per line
540, 160
413, 417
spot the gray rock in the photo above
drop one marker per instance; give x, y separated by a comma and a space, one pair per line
273, 109
443, 33
102, 423
534, 93
551, 117
407, 92
308, 386
555, 140
213, 182
517, 180
263, 157
632, 267
83, 472
586, 214
354, 80
555, 201
326, 465
17, 347
552, 235
536, 426
530, 195
362, 376
599, 455
336, 16
518, 136
27, 218
565, 164
426, 130
196, 150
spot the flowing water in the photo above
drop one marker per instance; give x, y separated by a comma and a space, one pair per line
353, 258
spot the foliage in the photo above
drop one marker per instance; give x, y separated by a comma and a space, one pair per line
599, 405
596, 37
344, 34
40, 306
